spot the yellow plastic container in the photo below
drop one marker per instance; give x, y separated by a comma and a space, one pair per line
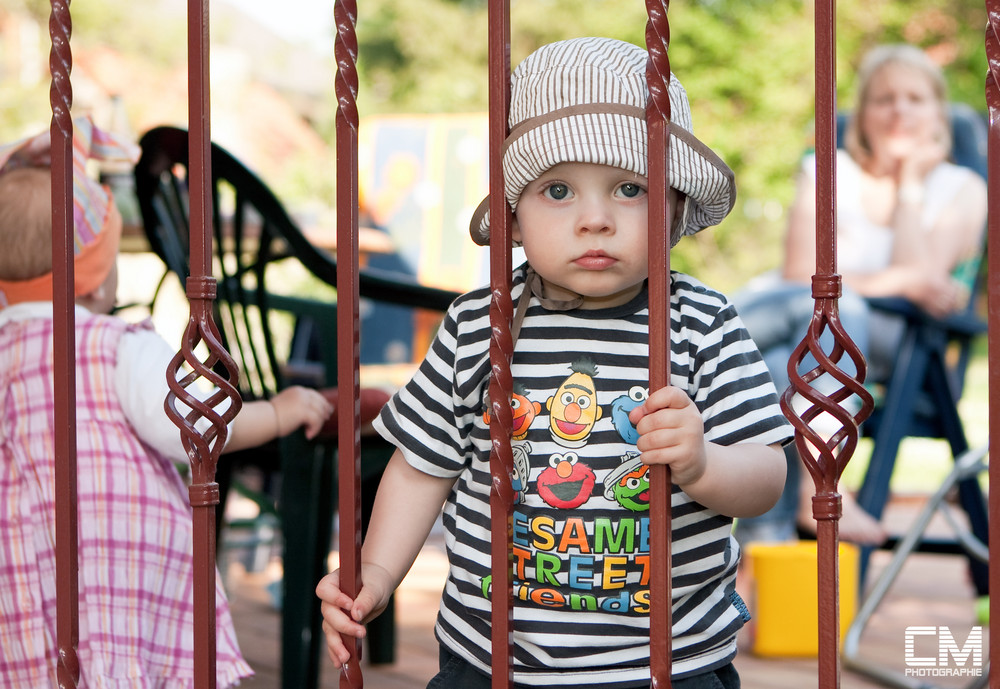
785, 606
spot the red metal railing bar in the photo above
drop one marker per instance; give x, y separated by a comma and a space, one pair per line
658, 130
348, 333
64, 346
501, 351
199, 137
833, 453
202, 498
826, 265
993, 296
203, 449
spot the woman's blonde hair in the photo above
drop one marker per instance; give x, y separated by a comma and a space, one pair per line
877, 58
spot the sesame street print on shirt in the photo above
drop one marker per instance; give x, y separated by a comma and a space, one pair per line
552, 550
573, 411
580, 528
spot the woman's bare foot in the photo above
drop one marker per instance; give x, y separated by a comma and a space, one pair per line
855, 526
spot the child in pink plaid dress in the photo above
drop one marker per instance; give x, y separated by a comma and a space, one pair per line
135, 534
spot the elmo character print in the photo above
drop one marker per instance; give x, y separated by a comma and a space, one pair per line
566, 482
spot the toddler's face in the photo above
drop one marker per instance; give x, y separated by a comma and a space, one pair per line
584, 231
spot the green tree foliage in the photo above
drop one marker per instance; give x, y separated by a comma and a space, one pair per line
125, 27
138, 30
747, 66
38, 9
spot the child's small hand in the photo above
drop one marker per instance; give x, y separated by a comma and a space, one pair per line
345, 617
297, 406
671, 432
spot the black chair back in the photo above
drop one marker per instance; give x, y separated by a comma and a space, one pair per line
276, 310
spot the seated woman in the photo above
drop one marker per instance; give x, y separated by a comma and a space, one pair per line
907, 221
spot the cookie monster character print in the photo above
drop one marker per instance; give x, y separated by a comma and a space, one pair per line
620, 409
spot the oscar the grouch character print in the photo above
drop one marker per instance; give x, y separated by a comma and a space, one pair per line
628, 485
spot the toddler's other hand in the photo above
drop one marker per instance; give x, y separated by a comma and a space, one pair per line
337, 621
344, 616
671, 432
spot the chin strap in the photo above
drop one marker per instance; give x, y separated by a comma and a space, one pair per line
533, 288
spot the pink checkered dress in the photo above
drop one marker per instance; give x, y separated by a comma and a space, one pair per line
136, 619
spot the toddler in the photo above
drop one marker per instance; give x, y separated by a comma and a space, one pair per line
586, 428
135, 533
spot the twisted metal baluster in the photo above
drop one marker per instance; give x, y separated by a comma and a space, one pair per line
501, 352
993, 291
349, 439
203, 448
64, 346
658, 126
831, 455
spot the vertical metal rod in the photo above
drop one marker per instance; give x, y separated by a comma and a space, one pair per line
826, 458
660, 214
199, 137
826, 136
993, 296
501, 352
826, 264
64, 346
348, 332
204, 492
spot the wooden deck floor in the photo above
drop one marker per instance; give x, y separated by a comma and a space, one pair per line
933, 590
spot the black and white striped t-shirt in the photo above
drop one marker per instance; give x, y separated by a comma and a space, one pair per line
581, 520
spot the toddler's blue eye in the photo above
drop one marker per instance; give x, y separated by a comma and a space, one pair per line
630, 190
557, 191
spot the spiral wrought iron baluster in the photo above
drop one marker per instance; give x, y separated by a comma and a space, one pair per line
501, 352
658, 128
64, 353
203, 447
825, 459
349, 448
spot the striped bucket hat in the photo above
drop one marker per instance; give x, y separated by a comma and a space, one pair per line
584, 100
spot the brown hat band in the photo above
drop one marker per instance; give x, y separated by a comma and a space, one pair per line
525, 126
522, 128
